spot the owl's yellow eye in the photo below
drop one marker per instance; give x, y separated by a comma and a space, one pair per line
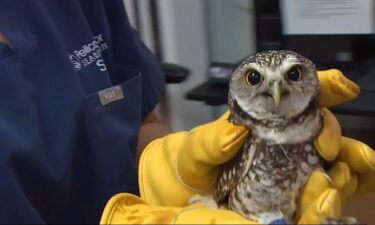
253, 77
294, 74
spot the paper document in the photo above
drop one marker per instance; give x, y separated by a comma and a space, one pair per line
327, 16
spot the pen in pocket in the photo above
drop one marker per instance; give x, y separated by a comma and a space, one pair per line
5, 45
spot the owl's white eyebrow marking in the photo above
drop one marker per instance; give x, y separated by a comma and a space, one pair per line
288, 64
274, 59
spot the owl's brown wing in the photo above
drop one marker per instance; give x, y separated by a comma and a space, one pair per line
232, 172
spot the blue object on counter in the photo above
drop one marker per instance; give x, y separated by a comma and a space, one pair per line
279, 222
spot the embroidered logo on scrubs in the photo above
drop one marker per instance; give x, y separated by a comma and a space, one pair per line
76, 63
90, 53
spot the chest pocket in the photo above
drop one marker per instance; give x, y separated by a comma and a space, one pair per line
113, 119
5, 47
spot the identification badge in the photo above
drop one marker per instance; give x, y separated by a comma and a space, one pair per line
111, 94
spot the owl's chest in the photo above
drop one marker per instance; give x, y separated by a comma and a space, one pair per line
277, 163
274, 179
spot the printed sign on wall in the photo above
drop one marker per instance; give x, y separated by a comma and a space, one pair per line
327, 16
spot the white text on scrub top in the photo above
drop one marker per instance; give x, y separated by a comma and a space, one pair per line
90, 53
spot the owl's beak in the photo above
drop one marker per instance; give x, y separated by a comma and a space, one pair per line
275, 93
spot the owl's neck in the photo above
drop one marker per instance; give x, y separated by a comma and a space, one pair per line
304, 127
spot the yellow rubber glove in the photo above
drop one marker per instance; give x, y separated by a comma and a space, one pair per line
173, 168
129, 209
358, 162
185, 163
353, 171
319, 199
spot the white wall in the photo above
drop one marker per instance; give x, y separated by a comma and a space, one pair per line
185, 42
193, 33
145, 21
232, 29
231, 33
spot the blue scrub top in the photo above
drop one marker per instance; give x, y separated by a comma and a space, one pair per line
73, 91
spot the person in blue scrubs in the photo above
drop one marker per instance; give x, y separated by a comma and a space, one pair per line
77, 88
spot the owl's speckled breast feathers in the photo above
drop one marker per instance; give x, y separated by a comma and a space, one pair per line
274, 94
269, 182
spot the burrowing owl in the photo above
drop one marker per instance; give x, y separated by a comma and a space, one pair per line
274, 94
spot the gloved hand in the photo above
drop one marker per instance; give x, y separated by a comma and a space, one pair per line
129, 209
353, 170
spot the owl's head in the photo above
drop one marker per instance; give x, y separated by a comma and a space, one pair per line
272, 86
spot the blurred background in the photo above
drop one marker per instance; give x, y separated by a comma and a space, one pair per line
199, 43
194, 34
